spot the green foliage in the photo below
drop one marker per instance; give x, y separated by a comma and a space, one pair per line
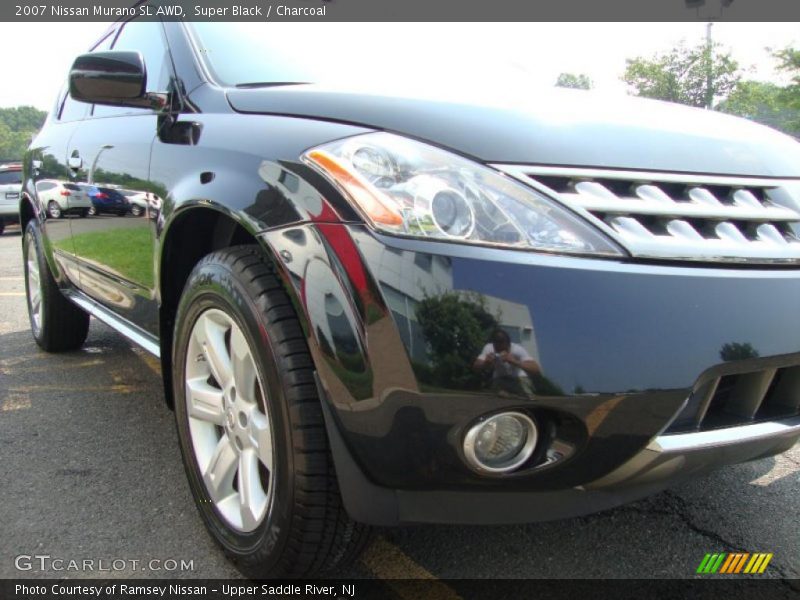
17, 127
23, 118
737, 351
789, 62
456, 326
578, 81
682, 75
763, 102
128, 251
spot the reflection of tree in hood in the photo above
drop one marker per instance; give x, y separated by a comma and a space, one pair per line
737, 351
456, 326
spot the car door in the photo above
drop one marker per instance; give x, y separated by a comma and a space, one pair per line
112, 151
49, 172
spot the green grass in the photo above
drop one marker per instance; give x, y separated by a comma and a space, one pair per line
126, 251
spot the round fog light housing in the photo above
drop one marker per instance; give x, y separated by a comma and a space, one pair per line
500, 443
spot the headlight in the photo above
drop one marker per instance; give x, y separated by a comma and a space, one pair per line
409, 188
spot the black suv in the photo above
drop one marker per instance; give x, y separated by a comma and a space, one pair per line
376, 308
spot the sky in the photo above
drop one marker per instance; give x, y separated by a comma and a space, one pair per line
543, 50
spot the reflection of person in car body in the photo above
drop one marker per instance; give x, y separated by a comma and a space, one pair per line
510, 362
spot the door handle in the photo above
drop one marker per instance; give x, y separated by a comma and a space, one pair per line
75, 162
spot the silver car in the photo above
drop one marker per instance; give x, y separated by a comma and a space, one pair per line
10, 188
61, 197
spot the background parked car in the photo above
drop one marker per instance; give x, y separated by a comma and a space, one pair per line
137, 200
61, 198
107, 200
10, 187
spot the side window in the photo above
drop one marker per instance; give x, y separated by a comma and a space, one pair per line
45, 186
72, 110
147, 38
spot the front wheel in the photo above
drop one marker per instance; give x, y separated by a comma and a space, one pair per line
57, 324
250, 423
136, 210
92, 211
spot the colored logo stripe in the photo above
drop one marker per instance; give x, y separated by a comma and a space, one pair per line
711, 563
734, 562
758, 564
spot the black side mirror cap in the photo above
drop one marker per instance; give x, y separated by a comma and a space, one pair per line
114, 78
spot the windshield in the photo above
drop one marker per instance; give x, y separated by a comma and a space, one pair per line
256, 54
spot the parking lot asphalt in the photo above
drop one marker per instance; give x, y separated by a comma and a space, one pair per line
90, 469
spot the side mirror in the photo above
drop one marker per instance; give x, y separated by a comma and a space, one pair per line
114, 78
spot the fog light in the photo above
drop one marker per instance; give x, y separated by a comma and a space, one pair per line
500, 443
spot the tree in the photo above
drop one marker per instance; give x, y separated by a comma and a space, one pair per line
737, 351
456, 327
789, 62
578, 81
23, 118
763, 102
682, 75
17, 126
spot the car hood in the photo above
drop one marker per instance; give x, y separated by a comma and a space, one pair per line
548, 127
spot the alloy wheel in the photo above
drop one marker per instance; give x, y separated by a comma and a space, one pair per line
54, 209
34, 287
229, 423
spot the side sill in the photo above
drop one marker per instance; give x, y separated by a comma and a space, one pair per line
126, 328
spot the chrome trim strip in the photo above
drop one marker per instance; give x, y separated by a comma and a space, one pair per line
126, 328
730, 436
524, 171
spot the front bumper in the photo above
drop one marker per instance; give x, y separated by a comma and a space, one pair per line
665, 461
9, 213
622, 347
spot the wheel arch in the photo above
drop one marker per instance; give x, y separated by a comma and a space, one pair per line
192, 232
27, 211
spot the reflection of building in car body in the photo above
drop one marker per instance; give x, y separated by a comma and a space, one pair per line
407, 278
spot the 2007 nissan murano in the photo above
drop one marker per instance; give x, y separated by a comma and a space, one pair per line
376, 308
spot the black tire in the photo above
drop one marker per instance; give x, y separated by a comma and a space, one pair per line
306, 529
2, 226
84, 213
63, 326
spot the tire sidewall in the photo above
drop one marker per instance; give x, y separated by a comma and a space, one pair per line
213, 285
32, 232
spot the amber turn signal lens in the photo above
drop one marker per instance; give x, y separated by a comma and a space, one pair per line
371, 200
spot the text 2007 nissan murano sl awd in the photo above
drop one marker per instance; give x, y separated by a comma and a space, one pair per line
376, 308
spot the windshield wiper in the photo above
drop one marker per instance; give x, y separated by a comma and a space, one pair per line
260, 84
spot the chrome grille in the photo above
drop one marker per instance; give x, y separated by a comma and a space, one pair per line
679, 216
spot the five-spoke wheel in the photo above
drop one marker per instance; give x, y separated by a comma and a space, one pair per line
229, 421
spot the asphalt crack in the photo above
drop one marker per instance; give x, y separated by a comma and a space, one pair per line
682, 508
